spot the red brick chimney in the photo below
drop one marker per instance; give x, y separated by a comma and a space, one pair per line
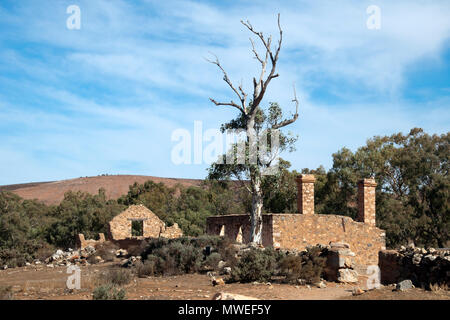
366, 201
305, 195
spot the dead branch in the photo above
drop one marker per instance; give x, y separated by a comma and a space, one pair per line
294, 117
261, 85
242, 97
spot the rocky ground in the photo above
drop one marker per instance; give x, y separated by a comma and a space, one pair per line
38, 282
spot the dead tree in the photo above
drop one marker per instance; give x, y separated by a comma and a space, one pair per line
249, 111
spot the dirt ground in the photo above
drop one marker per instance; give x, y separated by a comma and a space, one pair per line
43, 283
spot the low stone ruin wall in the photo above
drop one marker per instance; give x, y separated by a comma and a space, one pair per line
422, 266
82, 243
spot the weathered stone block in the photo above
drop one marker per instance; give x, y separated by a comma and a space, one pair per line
347, 276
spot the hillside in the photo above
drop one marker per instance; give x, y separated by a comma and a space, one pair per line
115, 186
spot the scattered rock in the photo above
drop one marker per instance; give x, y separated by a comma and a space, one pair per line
404, 285
227, 270
217, 282
221, 264
321, 284
347, 276
121, 253
357, 291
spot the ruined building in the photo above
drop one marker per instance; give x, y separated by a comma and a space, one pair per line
133, 225
296, 231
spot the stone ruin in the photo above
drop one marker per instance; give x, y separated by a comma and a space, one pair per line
131, 227
298, 231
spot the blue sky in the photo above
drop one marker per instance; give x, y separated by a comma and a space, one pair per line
106, 98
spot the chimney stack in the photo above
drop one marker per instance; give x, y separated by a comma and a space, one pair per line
366, 201
305, 196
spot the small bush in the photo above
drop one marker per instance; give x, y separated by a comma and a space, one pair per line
44, 252
138, 250
6, 293
308, 265
178, 258
107, 251
212, 260
13, 258
291, 267
109, 292
146, 269
255, 265
117, 277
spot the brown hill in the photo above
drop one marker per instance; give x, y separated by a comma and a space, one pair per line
115, 186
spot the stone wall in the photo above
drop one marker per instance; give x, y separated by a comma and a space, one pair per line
233, 226
153, 227
82, 243
422, 266
296, 231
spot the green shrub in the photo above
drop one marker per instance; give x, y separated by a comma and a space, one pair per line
308, 265
146, 269
178, 258
109, 292
255, 265
291, 267
117, 277
107, 251
212, 260
185, 254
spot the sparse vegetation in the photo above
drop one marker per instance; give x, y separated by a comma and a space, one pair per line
106, 251
6, 293
256, 265
307, 265
117, 276
146, 269
109, 292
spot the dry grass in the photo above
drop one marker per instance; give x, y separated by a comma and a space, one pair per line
439, 287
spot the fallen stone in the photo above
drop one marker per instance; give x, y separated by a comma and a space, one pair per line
347, 276
227, 270
321, 284
339, 245
221, 264
404, 285
218, 282
357, 291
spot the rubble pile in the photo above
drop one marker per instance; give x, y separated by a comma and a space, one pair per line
423, 266
69, 257
86, 256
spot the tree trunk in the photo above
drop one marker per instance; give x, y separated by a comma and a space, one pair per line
257, 204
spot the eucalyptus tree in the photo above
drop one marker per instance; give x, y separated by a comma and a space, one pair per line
258, 126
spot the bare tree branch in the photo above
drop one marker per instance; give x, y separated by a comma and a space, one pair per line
242, 97
261, 85
293, 119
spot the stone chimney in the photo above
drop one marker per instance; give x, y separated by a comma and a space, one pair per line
366, 201
305, 196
